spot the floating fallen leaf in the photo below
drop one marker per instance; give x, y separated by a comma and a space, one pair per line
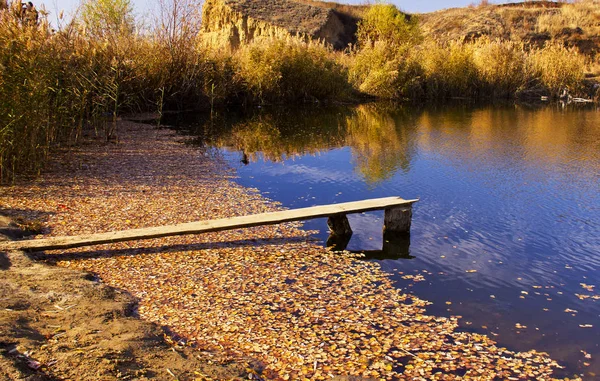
586, 355
471, 271
588, 287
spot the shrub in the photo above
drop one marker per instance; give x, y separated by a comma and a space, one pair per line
290, 69
380, 70
449, 70
384, 22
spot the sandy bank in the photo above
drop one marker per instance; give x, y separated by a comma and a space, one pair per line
60, 324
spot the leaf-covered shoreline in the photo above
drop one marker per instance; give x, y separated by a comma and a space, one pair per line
269, 293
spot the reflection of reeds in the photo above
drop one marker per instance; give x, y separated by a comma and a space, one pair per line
380, 146
378, 136
280, 136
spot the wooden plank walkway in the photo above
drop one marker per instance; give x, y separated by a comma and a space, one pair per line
337, 212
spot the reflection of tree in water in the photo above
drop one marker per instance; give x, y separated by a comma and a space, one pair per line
257, 136
499, 136
282, 134
380, 138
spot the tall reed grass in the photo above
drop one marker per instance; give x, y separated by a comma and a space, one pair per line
37, 103
558, 68
449, 71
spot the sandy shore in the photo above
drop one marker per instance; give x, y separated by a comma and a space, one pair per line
264, 301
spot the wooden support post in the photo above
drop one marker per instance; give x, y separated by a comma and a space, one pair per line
337, 242
339, 225
397, 220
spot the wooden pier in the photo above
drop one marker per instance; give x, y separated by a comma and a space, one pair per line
398, 213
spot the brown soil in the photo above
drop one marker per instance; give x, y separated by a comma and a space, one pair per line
295, 17
57, 323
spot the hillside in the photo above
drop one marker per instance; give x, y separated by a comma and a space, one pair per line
235, 22
534, 23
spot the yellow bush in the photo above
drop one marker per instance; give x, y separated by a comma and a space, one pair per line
382, 70
384, 22
557, 68
449, 70
501, 66
290, 69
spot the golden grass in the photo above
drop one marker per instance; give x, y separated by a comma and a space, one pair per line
290, 69
501, 66
584, 14
558, 68
533, 23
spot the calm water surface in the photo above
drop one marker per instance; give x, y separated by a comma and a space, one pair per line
507, 230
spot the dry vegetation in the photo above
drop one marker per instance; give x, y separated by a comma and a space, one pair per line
575, 24
55, 84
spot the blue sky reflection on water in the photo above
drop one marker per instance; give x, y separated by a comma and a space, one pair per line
507, 229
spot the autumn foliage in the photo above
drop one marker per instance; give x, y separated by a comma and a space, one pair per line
56, 84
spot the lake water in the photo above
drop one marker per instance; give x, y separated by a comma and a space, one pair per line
507, 230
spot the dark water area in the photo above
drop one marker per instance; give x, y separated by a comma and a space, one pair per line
507, 230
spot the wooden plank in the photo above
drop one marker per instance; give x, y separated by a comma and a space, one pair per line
207, 226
